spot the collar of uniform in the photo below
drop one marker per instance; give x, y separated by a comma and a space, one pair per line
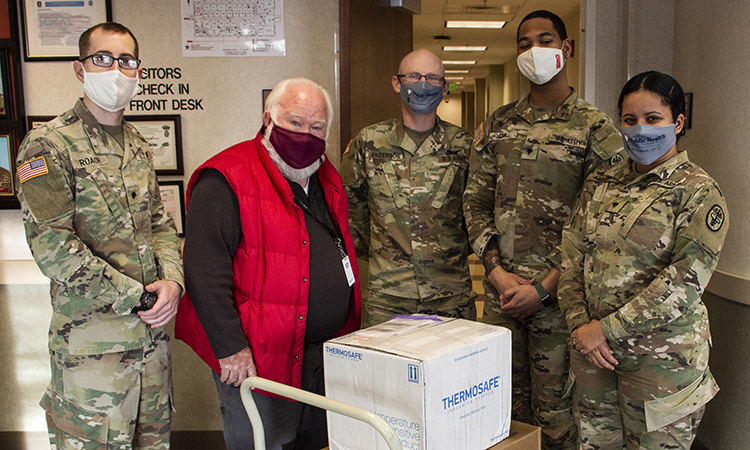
399, 137
562, 112
661, 172
98, 138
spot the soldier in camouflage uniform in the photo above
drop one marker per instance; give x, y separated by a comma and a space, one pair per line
642, 244
404, 179
98, 230
531, 159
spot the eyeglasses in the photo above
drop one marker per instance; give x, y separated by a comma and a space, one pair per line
435, 80
104, 60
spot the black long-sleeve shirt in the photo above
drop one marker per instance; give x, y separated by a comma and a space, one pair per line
213, 231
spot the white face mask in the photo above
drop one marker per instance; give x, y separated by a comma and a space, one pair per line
540, 64
111, 90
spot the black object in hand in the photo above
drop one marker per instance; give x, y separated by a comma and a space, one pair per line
147, 301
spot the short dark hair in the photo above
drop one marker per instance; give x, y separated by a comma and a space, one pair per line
661, 84
557, 22
113, 27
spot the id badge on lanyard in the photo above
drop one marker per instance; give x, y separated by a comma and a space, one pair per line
348, 270
345, 260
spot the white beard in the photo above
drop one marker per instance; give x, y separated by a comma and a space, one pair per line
288, 171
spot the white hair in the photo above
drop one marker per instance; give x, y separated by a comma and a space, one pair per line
272, 101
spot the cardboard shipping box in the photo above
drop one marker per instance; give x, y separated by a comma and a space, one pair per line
441, 383
522, 437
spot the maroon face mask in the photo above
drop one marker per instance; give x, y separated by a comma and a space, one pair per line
299, 150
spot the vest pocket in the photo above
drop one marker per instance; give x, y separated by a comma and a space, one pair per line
445, 186
385, 191
102, 211
646, 227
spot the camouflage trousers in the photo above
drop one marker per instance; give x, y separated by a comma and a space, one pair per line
651, 401
112, 401
540, 360
378, 307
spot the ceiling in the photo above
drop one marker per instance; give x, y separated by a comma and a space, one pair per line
501, 44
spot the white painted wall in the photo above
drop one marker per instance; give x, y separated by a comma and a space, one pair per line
450, 109
230, 89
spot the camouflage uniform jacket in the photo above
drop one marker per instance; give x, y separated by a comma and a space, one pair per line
405, 209
97, 228
525, 175
639, 251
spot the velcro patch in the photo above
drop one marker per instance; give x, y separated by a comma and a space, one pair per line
617, 159
479, 134
715, 218
34, 168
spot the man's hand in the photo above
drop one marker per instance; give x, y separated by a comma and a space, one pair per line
520, 301
602, 357
523, 300
590, 340
237, 367
502, 280
168, 296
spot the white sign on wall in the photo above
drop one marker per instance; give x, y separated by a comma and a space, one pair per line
233, 28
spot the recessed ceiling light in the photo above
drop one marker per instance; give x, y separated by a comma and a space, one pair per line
454, 78
464, 48
459, 62
457, 71
496, 24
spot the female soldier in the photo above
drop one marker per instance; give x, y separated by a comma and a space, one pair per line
639, 250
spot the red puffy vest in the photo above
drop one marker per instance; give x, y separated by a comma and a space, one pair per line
272, 263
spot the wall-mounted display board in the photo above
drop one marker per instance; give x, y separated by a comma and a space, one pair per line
51, 28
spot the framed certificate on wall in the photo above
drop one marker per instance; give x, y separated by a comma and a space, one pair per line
51, 28
164, 136
173, 199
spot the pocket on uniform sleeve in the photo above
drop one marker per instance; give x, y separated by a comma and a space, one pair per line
70, 418
663, 411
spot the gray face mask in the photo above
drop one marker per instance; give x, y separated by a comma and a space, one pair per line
421, 97
647, 143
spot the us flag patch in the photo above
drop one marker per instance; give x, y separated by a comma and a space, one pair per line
478, 134
33, 168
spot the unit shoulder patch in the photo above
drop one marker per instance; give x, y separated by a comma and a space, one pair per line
617, 159
715, 218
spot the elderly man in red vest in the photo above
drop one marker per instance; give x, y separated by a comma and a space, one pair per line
270, 266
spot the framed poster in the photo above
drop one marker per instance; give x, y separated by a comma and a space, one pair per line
173, 199
32, 121
164, 136
7, 165
51, 28
5, 88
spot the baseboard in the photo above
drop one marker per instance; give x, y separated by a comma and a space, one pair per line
24, 440
698, 445
181, 440
197, 440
